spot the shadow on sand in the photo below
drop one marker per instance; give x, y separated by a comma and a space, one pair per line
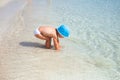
32, 44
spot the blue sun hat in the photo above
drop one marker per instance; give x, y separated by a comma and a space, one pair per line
63, 31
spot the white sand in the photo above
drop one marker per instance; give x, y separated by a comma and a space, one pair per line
4, 2
23, 57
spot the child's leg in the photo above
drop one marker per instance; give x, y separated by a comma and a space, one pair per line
48, 43
40, 36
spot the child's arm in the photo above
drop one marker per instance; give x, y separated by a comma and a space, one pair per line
58, 42
41, 37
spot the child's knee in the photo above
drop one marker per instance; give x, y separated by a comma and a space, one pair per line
48, 45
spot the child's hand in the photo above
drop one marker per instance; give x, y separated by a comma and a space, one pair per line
58, 49
60, 46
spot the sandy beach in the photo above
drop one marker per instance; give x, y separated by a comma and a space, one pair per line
3, 2
24, 57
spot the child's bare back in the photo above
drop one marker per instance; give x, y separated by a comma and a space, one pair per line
48, 31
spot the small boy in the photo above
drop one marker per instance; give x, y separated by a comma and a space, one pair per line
48, 32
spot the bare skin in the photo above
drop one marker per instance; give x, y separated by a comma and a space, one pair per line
47, 33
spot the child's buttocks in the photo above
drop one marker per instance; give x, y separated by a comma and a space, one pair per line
36, 31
